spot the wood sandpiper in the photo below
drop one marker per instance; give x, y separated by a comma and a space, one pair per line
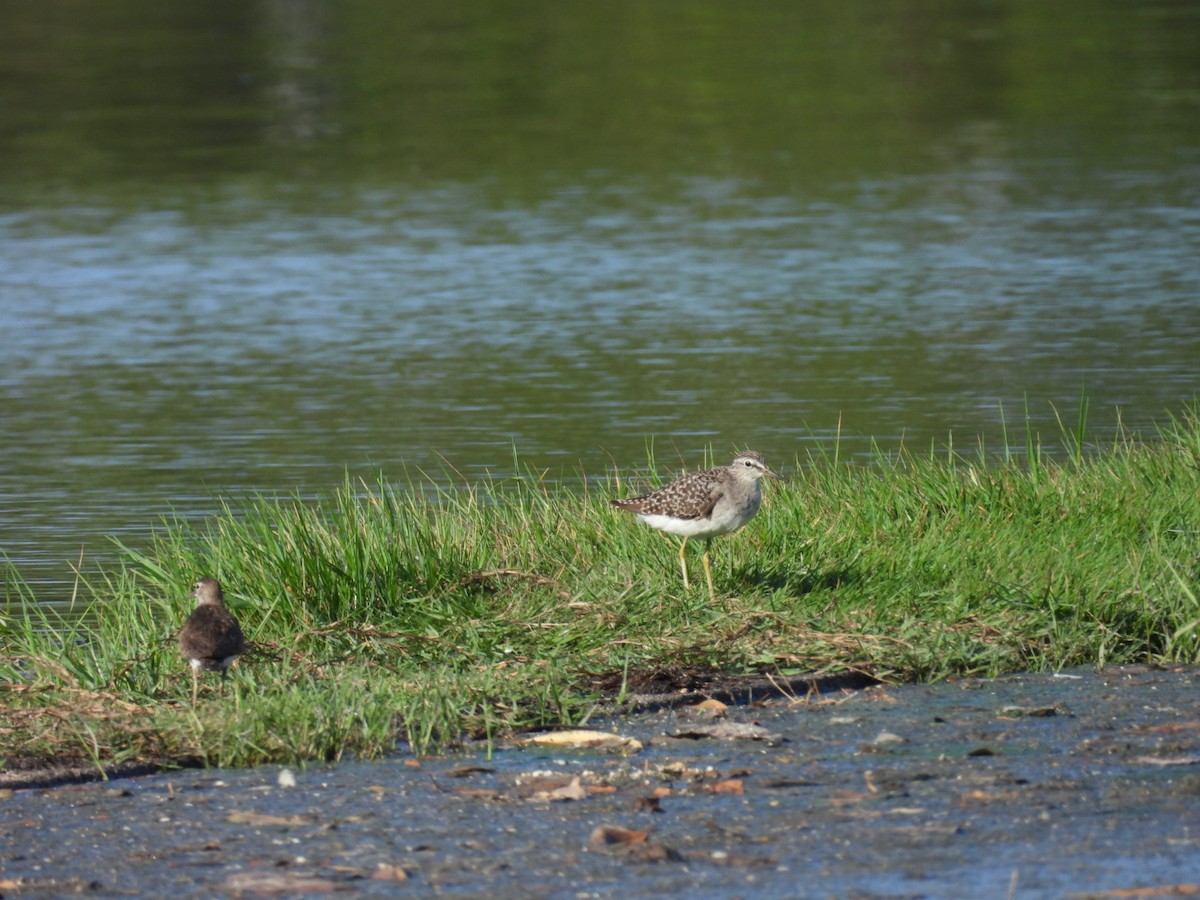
211, 638
704, 504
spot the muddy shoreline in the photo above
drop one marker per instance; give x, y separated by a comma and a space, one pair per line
1078, 784
647, 692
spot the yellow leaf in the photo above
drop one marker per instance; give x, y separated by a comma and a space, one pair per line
581, 739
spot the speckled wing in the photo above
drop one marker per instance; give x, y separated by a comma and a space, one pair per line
691, 497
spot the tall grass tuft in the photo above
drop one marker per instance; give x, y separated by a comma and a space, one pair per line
415, 616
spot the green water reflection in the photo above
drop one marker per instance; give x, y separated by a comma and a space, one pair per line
251, 246
789, 96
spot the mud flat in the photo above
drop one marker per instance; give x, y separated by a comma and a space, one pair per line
1079, 784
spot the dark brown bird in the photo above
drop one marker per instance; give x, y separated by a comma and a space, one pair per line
211, 638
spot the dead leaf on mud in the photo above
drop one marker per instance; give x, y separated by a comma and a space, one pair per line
583, 739
708, 709
606, 835
468, 771
634, 845
259, 884
727, 731
574, 790
388, 872
253, 818
733, 786
677, 769
1167, 760
1027, 712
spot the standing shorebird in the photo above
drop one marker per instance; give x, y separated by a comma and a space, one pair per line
211, 638
705, 504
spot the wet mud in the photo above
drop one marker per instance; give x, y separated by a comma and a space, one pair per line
1080, 784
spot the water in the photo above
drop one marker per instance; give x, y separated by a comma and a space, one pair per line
253, 247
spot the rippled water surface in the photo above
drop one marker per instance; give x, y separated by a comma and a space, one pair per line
255, 247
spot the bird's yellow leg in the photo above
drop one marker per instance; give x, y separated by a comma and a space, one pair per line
708, 571
683, 563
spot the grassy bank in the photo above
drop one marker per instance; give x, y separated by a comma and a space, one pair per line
388, 614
